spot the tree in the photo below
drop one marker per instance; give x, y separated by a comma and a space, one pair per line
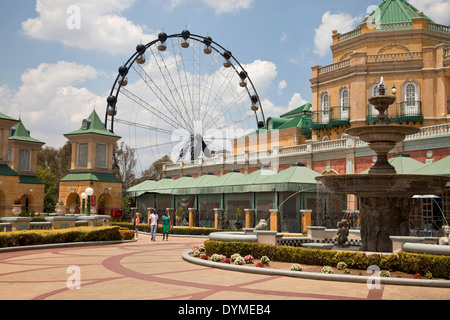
156, 169
124, 163
53, 165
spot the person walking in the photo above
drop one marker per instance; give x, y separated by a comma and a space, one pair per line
136, 226
167, 225
153, 224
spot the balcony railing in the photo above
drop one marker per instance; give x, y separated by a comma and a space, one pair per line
335, 117
394, 57
406, 111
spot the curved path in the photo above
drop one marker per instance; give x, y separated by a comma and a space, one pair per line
156, 271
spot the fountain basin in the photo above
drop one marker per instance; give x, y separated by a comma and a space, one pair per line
391, 133
386, 185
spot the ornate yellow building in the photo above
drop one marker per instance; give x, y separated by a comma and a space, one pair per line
397, 42
91, 166
18, 159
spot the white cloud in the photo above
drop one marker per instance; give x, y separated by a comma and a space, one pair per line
262, 74
281, 86
223, 6
49, 102
342, 22
438, 10
95, 25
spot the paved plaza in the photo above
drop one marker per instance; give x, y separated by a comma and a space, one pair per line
146, 270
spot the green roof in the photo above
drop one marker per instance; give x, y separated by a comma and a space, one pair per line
5, 117
20, 133
438, 168
93, 125
90, 176
298, 111
297, 118
30, 180
394, 11
7, 171
403, 164
296, 178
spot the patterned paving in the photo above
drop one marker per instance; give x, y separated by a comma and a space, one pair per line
148, 270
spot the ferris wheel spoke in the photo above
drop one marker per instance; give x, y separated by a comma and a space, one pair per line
162, 97
183, 76
178, 100
147, 127
149, 108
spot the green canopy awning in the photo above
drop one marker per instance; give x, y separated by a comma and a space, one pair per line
403, 164
297, 178
439, 168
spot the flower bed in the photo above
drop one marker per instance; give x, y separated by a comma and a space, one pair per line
402, 265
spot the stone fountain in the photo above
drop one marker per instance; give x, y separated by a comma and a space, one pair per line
384, 194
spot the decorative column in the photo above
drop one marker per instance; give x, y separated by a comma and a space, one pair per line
192, 220
274, 219
306, 220
249, 218
218, 218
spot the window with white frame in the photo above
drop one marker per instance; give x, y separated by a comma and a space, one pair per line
344, 97
100, 156
24, 160
325, 102
410, 95
82, 155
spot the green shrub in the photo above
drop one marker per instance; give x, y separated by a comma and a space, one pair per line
78, 234
438, 266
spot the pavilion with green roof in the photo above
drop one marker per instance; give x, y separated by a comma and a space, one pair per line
91, 166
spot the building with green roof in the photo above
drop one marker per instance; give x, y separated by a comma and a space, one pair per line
18, 171
91, 166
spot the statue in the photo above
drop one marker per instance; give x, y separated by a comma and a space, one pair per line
262, 225
382, 87
343, 232
445, 240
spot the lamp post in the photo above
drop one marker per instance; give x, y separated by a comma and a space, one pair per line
89, 192
83, 208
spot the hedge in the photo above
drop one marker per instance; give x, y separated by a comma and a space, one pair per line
78, 234
411, 263
176, 230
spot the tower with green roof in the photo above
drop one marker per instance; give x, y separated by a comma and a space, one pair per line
18, 172
91, 166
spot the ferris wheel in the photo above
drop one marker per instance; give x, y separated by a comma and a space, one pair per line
185, 96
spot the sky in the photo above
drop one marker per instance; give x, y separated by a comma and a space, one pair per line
59, 58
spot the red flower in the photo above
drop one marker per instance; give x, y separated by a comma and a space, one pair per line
259, 265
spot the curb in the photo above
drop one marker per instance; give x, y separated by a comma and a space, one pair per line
317, 276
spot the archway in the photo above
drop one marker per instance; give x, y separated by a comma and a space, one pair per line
104, 205
73, 200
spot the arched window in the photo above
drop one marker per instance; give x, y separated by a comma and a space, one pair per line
344, 97
325, 101
410, 95
411, 104
325, 110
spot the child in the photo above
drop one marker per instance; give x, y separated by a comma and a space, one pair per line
136, 226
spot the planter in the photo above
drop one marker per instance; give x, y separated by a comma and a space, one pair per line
16, 210
238, 225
